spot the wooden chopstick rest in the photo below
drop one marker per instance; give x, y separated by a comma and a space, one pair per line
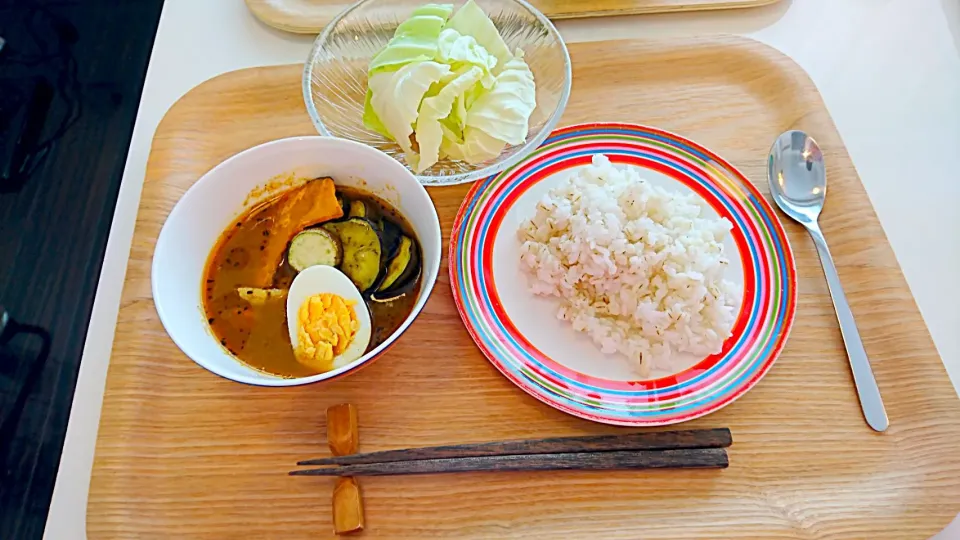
343, 433
347, 506
343, 437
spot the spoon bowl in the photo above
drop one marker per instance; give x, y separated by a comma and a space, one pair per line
798, 183
798, 179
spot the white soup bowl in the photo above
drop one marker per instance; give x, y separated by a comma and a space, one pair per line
222, 195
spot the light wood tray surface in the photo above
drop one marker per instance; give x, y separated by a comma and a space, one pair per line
310, 16
182, 453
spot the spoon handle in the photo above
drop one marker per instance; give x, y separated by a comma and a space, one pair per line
866, 384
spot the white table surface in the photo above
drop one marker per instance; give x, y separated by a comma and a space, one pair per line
888, 70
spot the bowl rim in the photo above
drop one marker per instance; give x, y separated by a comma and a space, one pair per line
426, 287
451, 179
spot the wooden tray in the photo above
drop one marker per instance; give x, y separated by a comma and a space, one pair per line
310, 16
183, 453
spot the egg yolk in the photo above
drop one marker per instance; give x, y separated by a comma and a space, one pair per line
326, 324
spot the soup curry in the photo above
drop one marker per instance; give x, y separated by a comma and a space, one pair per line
249, 271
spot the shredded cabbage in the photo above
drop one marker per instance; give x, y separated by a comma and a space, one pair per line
453, 84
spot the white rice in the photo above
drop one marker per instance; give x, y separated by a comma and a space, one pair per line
636, 267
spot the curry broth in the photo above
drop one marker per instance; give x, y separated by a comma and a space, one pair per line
255, 330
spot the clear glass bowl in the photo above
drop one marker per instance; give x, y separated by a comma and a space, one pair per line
335, 77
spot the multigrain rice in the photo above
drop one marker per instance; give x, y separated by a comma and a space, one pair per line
638, 268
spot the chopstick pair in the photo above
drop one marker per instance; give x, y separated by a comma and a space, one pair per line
686, 449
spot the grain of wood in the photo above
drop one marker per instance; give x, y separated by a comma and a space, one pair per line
310, 16
182, 452
343, 437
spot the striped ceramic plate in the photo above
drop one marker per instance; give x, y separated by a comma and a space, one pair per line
519, 332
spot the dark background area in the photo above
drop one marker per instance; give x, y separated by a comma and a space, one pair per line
71, 74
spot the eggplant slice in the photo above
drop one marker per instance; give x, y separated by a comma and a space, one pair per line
312, 247
391, 238
397, 265
357, 209
364, 209
407, 269
362, 250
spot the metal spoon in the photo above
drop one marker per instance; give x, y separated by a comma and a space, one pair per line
798, 183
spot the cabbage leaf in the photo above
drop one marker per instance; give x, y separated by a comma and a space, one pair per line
396, 96
428, 129
470, 20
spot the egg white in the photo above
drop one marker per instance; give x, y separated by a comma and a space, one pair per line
327, 279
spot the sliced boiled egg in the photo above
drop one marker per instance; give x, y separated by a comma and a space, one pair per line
327, 319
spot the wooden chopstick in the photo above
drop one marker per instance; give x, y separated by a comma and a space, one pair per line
657, 440
698, 458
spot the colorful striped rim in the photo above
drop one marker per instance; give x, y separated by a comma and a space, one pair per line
760, 332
